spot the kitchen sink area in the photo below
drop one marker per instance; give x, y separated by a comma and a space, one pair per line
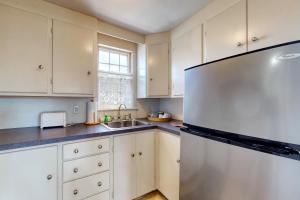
124, 124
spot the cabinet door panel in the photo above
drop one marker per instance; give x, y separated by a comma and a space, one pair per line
273, 22
158, 69
224, 32
25, 51
73, 59
124, 167
24, 175
186, 52
145, 150
168, 173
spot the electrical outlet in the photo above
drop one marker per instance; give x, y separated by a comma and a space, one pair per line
75, 109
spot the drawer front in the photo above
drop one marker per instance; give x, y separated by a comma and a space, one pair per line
101, 196
82, 188
82, 149
79, 168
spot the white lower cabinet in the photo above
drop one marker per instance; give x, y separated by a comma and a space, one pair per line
29, 174
134, 165
168, 159
85, 187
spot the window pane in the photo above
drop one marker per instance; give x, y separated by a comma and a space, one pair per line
115, 90
104, 67
115, 68
114, 59
124, 60
124, 70
104, 57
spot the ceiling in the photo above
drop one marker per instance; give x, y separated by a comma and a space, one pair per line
142, 16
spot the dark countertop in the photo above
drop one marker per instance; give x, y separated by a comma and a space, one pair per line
33, 136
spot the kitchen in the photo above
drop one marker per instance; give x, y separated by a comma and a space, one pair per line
66, 67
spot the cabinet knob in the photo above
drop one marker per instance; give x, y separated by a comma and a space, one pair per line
75, 192
89, 73
178, 161
76, 151
254, 39
100, 164
40, 67
151, 79
140, 153
100, 146
132, 155
75, 170
239, 44
99, 183
49, 177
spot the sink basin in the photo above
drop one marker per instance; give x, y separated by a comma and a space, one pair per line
124, 124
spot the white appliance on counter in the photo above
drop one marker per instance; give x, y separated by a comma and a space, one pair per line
53, 119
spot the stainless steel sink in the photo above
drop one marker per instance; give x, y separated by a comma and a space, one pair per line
124, 124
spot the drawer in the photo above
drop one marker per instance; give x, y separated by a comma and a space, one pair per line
79, 168
82, 149
86, 187
101, 196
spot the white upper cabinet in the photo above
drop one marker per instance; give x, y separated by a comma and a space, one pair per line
186, 52
272, 22
29, 175
226, 33
158, 69
25, 52
73, 59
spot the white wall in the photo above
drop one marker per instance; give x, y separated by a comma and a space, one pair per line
18, 112
173, 106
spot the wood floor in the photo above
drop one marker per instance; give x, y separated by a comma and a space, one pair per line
153, 196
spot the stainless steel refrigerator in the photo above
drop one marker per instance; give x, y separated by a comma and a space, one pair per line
242, 135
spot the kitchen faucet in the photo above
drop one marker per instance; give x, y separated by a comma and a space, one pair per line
119, 110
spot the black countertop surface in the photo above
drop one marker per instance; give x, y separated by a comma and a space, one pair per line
26, 137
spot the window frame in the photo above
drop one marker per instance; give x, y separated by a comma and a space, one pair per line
132, 73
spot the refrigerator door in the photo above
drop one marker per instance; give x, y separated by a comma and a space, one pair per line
212, 170
256, 94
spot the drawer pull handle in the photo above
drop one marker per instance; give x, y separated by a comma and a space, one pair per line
75, 192
49, 177
76, 151
100, 164
100, 146
75, 170
99, 184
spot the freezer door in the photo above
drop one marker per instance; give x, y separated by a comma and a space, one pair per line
211, 170
255, 94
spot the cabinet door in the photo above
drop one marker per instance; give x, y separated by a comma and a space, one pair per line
168, 165
124, 167
186, 52
145, 150
158, 69
272, 22
26, 175
225, 34
73, 59
25, 51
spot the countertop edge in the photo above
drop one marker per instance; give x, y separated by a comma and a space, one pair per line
34, 143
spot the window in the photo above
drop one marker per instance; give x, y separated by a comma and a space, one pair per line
115, 79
